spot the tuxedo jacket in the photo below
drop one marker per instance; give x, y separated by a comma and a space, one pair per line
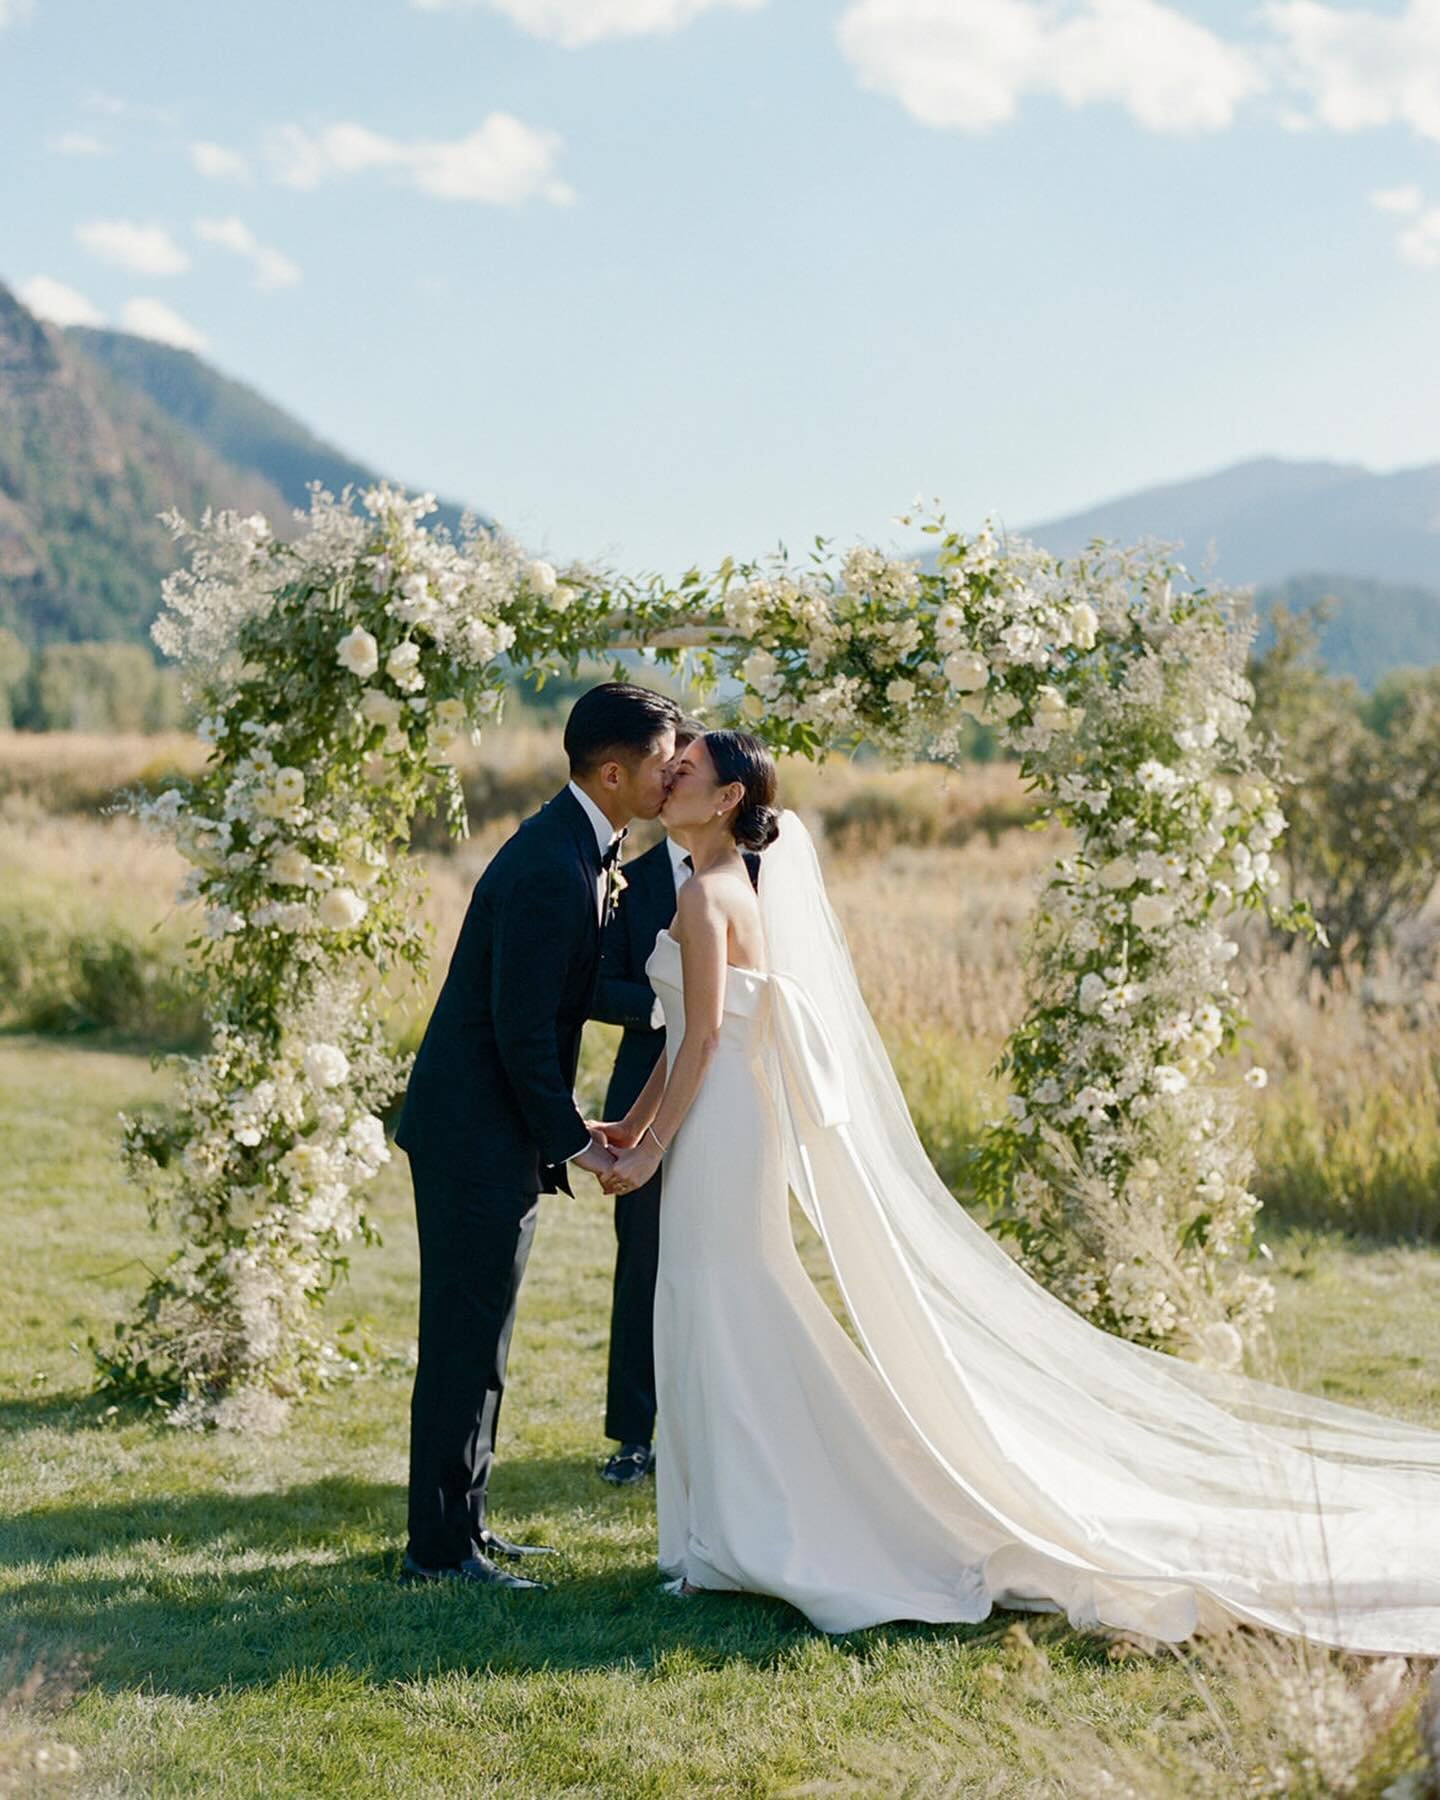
624, 995
493, 1083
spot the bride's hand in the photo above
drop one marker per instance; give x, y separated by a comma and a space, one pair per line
619, 1135
633, 1168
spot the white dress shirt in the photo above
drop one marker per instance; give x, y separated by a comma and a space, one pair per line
605, 835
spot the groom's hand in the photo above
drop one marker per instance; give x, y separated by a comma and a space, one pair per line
597, 1159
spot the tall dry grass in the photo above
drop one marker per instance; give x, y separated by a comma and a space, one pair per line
1348, 1133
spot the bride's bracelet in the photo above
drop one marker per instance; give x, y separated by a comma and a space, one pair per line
656, 1135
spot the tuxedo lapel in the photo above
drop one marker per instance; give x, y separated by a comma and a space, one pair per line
570, 818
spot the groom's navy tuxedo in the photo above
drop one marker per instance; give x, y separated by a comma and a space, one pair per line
624, 997
488, 1123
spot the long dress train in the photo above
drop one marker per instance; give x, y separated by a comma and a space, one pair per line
987, 1446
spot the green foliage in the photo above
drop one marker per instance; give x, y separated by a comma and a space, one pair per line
1364, 840
97, 688
63, 974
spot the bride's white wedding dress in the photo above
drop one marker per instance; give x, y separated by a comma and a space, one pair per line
988, 1447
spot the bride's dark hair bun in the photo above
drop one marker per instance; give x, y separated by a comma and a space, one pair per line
737, 756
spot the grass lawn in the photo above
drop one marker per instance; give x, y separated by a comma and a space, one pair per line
229, 1604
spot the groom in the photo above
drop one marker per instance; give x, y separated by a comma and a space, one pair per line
490, 1120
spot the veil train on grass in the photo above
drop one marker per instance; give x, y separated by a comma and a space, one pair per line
1128, 1488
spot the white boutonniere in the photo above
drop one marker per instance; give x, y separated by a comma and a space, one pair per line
616, 885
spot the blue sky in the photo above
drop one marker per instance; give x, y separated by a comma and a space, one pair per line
654, 280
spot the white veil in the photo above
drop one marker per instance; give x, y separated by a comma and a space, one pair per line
1125, 1487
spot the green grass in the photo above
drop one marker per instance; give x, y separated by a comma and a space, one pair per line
231, 1601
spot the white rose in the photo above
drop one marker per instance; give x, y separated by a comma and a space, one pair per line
358, 652
325, 1065
560, 597
542, 578
757, 668
1220, 1345
1169, 1079
341, 909
366, 1139
753, 707
1004, 706
900, 691
1118, 873
380, 709
290, 867
1092, 992
450, 715
362, 862
1084, 623
1050, 709
966, 671
402, 665
288, 787
1150, 910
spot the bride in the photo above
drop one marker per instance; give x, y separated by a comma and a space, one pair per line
987, 1447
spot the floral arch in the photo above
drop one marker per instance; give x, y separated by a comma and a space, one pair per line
335, 674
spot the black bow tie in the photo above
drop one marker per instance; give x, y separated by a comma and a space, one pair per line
689, 862
610, 857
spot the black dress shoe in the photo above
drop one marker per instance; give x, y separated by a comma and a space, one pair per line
494, 1545
478, 1571
629, 1464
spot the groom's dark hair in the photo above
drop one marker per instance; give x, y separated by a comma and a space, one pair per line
619, 719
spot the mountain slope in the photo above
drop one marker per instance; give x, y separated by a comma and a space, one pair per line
239, 425
86, 465
1374, 627
1269, 520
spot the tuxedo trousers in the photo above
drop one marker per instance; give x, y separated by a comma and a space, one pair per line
630, 1381
475, 1240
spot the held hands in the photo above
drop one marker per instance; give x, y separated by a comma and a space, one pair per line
599, 1159
621, 1155
632, 1168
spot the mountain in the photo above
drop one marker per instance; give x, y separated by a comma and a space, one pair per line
1300, 532
86, 465
1373, 628
101, 432
1269, 520
240, 426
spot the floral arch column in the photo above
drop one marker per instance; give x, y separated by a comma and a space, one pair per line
335, 675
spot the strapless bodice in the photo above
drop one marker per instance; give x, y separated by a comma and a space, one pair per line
742, 1022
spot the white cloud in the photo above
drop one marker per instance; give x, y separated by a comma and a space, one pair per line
967, 64
217, 163
576, 22
154, 319
143, 249
1360, 69
12, 10
502, 163
77, 143
116, 108
272, 268
61, 305
1419, 242
1402, 200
